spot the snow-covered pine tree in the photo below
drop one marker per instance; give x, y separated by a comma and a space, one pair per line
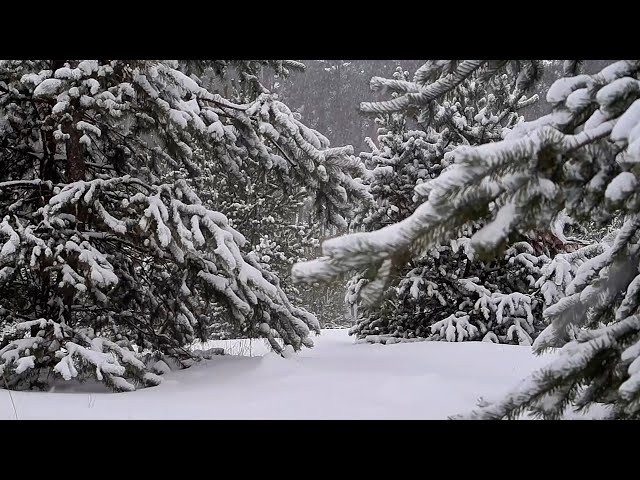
107, 251
443, 294
292, 227
581, 158
402, 158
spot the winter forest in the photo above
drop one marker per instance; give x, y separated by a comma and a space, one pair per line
320, 239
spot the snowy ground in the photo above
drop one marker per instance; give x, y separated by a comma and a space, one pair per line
335, 380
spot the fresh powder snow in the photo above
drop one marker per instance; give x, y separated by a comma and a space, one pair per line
337, 379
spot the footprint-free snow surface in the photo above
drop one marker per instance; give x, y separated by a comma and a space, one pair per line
337, 379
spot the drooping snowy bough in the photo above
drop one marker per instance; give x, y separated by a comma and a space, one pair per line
109, 257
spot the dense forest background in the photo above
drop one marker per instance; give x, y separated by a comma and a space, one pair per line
327, 94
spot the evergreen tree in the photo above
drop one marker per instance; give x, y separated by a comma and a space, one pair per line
443, 294
581, 159
293, 229
108, 254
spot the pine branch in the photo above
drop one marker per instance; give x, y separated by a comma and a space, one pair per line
427, 94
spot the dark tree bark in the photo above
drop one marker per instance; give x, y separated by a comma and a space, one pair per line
75, 171
76, 167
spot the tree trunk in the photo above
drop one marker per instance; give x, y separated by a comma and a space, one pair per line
76, 167
75, 157
75, 172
